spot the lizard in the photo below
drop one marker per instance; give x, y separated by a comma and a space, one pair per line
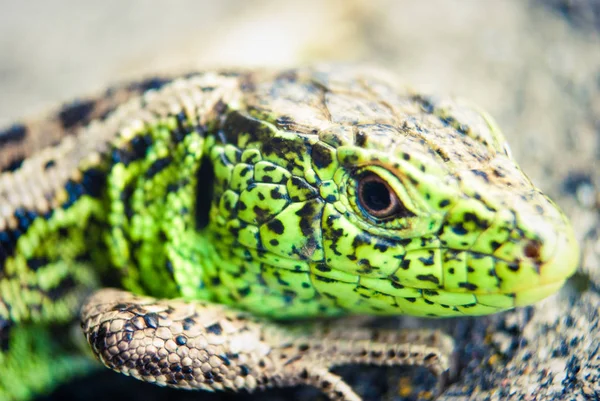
206, 228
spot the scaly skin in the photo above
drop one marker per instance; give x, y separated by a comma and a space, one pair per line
255, 190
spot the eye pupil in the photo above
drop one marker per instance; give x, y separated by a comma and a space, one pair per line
375, 195
377, 199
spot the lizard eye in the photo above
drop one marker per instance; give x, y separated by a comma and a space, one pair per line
377, 199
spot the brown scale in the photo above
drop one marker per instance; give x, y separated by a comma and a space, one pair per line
196, 345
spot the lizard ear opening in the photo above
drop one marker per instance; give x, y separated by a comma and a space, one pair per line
204, 192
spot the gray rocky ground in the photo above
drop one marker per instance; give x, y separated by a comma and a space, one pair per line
534, 65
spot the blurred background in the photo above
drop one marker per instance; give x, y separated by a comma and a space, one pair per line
533, 64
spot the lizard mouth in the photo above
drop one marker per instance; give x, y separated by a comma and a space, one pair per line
529, 279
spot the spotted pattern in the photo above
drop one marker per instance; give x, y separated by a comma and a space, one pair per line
195, 345
240, 188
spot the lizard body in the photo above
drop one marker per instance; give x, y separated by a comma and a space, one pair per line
291, 194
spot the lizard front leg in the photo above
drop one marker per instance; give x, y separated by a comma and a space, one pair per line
199, 345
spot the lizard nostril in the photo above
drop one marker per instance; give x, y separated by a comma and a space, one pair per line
532, 249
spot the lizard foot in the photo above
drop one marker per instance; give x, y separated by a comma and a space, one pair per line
200, 345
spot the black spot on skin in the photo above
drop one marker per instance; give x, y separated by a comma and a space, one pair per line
94, 182
276, 226
204, 193
289, 296
306, 213
261, 214
135, 150
472, 217
428, 277
458, 229
181, 340
178, 134
245, 171
225, 360
513, 267
5, 326
15, 133
244, 371
24, 218
325, 279
188, 322
481, 174
139, 145
74, 191
444, 203
397, 285
6, 248
49, 164
244, 292
321, 156
429, 261
215, 329
381, 246
406, 156
304, 187
495, 245
498, 173
35, 263
274, 242
323, 268
468, 286
275, 194
281, 281
158, 166
76, 113
151, 320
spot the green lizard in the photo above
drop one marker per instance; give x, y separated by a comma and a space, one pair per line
227, 199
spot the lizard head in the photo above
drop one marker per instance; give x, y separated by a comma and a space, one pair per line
376, 200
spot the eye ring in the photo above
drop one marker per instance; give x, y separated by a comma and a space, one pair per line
377, 199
